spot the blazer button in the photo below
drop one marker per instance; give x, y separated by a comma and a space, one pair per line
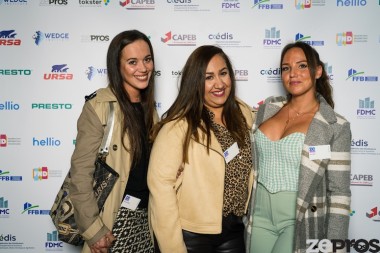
313, 208
114, 147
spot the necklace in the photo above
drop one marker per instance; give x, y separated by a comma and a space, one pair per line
298, 114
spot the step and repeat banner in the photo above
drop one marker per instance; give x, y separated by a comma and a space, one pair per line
53, 53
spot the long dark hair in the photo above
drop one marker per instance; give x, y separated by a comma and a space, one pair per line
130, 120
189, 104
323, 85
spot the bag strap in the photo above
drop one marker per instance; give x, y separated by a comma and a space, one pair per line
103, 150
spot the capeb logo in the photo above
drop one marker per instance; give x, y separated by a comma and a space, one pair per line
138, 4
173, 39
59, 72
8, 38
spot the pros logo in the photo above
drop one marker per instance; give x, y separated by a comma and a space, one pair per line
327, 246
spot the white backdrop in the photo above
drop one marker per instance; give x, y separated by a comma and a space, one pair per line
40, 101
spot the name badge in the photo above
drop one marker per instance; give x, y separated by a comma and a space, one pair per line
231, 152
319, 152
130, 202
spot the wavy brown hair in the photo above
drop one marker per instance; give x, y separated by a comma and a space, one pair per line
322, 84
130, 123
189, 104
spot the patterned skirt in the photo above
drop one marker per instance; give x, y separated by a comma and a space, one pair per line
131, 230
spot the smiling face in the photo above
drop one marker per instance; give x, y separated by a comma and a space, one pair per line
217, 84
136, 67
295, 73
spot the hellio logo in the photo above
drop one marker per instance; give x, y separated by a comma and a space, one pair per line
3, 140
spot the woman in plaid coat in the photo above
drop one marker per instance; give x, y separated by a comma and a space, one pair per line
301, 153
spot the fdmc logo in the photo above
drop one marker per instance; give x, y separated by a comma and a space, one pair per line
52, 241
4, 210
366, 108
272, 37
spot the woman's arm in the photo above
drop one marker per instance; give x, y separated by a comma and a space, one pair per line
338, 184
165, 161
89, 137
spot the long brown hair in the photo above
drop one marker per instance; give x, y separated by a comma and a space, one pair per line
189, 104
131, 122
323, 85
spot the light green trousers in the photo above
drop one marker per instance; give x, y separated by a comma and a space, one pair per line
273, 221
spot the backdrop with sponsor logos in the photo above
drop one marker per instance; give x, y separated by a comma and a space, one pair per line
52, 54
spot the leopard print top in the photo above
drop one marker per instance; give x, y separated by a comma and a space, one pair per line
237, 171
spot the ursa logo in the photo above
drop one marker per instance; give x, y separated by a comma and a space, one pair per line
58, 72
8, 38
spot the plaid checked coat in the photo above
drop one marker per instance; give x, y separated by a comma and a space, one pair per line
324, 196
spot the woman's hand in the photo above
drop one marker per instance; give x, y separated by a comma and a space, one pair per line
103, 244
